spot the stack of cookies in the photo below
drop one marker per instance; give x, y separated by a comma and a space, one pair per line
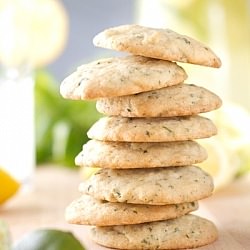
147, 185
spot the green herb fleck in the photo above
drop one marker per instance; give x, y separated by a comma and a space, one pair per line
169, 130
158, 184
117, 193
186, 40
144, 241
140, 36
89, 187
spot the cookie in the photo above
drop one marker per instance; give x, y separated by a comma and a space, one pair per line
139, 154
178, 100
120, 76
157, 186
157, 43
116, 128
89, 211
188, 231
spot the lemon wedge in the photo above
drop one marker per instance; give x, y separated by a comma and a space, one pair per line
9, 186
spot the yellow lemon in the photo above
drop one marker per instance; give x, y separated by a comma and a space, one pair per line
8, 186
32, 32
221, 164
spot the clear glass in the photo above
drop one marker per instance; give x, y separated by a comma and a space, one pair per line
17, 143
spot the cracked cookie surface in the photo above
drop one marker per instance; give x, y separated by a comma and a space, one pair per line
157, 186
157, 43
120, 76
188, 231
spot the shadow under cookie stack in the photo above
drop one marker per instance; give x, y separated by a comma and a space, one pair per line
147, 185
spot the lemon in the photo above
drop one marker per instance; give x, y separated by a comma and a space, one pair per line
9, 186
49, 239
221, 163
229, 150
5, 241
32, 32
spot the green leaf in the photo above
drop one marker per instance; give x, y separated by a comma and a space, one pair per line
61, 125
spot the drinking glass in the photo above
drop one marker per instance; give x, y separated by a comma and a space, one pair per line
17, 143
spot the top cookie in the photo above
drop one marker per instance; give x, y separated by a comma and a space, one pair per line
157, 43
111, 77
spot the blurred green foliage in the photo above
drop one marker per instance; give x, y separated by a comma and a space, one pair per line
61, 125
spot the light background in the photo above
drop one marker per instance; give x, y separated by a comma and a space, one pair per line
86, 19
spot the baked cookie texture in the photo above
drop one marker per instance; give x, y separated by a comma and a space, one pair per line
178, 100
163, 44
147, 185
117, 128
156, 186
120, 76
188, 231
90, 211
119, 155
